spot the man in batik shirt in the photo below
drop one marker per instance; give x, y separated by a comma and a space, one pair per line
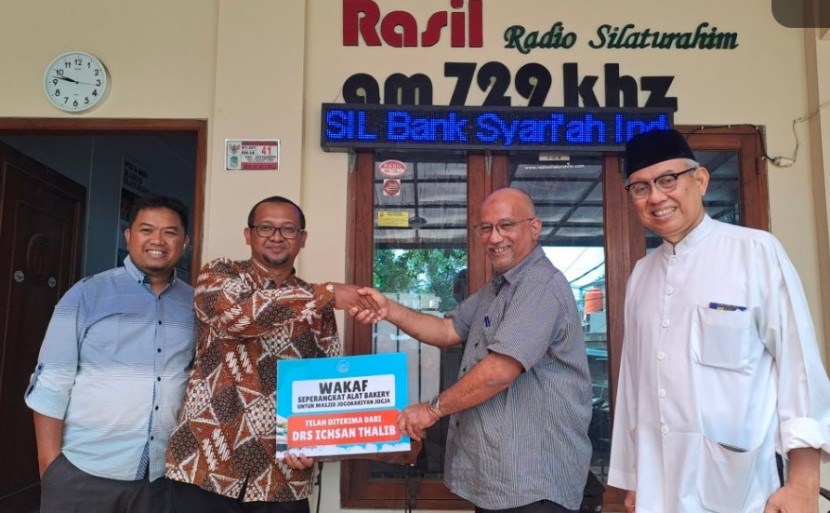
250, 314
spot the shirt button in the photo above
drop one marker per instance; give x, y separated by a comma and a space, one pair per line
661, 392
661, 355
158, 350
672, 260
664, 429
159, 322
666, 323
157, 408
158, 378
669, 290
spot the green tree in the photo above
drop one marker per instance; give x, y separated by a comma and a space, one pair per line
419, 271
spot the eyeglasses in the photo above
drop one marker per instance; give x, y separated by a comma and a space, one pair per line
286, 232
663, 183
503, 228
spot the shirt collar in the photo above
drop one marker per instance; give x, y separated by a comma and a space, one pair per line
692, 238
265, 279
139, 276
513, 274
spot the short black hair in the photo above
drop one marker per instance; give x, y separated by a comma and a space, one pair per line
276, 199
159, 201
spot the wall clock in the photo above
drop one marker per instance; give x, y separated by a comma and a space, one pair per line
76, 82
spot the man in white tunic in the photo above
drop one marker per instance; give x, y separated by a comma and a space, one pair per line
720, 367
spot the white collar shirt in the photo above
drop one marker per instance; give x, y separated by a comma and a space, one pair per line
720, 370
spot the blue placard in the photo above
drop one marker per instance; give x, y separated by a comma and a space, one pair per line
347, 126
341, 406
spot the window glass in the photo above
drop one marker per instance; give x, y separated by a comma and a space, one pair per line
420, 260
568, 195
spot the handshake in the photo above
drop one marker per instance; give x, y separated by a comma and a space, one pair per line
365, 304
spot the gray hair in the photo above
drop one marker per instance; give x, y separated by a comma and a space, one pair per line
691, 163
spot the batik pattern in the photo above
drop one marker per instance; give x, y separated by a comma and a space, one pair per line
226, 433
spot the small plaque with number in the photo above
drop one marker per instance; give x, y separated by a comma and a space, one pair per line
247, 155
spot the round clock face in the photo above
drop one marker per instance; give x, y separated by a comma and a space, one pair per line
75, 82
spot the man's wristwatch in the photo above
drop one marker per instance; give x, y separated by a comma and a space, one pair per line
434, 405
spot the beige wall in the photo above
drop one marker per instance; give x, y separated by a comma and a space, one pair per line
161, 55
817, 121
259, 91
261, 68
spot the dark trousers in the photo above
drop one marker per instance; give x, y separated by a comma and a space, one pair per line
544, 506
188, 498
67, 489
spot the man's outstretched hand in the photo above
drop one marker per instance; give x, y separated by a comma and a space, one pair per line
373, 315
347, 297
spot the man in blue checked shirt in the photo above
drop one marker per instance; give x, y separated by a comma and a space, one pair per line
112, 372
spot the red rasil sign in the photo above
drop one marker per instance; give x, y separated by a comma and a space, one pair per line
392, 168
363, 20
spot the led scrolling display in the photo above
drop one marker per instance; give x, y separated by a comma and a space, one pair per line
365, 126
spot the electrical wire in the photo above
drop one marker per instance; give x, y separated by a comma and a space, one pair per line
413, 486
758, 132
589, 271
802, 119
780, 160
574, 260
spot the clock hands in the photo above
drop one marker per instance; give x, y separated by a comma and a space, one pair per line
67, 79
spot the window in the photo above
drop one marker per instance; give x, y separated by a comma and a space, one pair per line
409, 236
568, 195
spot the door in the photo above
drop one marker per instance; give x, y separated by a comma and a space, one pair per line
40, 233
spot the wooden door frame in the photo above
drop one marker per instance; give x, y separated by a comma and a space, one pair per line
355, 483
115, 126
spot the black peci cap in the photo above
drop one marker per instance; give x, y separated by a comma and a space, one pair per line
649, 148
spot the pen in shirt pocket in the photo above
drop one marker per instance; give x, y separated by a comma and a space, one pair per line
486, 321
727, 308
730, 447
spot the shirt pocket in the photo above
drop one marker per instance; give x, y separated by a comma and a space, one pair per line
723, 338
725, 477
116, 330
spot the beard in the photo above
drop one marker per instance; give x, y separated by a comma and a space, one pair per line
276, 262
154, 270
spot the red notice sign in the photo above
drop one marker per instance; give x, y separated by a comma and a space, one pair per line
343, 428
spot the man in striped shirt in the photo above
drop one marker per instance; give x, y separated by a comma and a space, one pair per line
112, 372
518, 436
